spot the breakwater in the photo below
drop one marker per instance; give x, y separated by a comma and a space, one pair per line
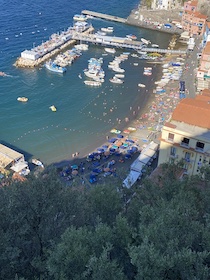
46, 52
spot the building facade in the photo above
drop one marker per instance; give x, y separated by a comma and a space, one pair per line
186, 137
203, 73
193, 21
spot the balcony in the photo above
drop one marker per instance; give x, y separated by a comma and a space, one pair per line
174, 156
200, 150
184, 145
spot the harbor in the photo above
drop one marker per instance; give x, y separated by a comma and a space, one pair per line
82, 32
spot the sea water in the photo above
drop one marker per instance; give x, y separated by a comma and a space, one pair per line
84, 115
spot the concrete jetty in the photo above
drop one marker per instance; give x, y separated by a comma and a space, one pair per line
103, 16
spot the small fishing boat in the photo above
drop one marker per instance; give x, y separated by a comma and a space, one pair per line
141, 85
116, 131
116, 80
37, 162
155, 46
80, 18
22, 99
131, 36
53, 108
145, 41
120, 76
92, 83
108, 29
110, 50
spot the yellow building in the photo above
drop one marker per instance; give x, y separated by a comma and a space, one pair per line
187, 136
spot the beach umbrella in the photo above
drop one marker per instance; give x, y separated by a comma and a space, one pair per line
101, 150
112, 150
105, 146
112, 140
134, 149
106, 169
122, 147
74, 172
74, 166
130, 140
120, 136
106, 153
127, 156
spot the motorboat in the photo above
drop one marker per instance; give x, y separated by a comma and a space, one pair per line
37, 162
110, 50
141, 85
116, 80
116, 131
92, 73
118, 69
53, 108
81, 47
145, 41
80, 18
92, 83
131, 36
108, 29
120, 76
155, 46
54, 67
22, 99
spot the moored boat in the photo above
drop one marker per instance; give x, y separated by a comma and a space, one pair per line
37, 162
145, 41
108, 29
120, 76
80, 18
54, 67
110, 50
116, 80
131, 36
92, 83
141, 85
53, 108
22, 99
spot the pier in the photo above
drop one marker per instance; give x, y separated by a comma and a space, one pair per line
104, 16
119, 42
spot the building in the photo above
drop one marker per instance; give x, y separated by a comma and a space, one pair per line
164, 4
187, 136
11, 159
203, 73
193, 21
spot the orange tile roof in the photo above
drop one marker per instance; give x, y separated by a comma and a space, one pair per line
200, 116
196, 14
208, 24
206, 50
206, 92
193, 3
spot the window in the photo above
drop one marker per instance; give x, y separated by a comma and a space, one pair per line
173, 151
171, 137
187, 157
200, 146
185, 142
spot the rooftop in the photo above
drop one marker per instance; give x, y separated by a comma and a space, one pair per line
200, 108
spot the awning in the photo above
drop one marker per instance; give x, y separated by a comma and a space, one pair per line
8, 155
137, 166
19, 166
131, 179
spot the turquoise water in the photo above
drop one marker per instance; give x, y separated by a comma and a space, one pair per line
84, 115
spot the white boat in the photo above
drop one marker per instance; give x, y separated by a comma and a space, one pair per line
22, 99
50, 65
92, 83
155, 46
81, 47
110, 50
118, 69
37, 162
141, 85
53, 108
80, 18
131, 36
108, 29
91, 73
120, 76
145, 41
116, 80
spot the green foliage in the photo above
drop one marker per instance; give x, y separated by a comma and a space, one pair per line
160, 230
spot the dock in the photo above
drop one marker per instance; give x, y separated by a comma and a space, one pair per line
104, 16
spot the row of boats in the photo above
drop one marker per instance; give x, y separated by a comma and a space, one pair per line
62, 60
